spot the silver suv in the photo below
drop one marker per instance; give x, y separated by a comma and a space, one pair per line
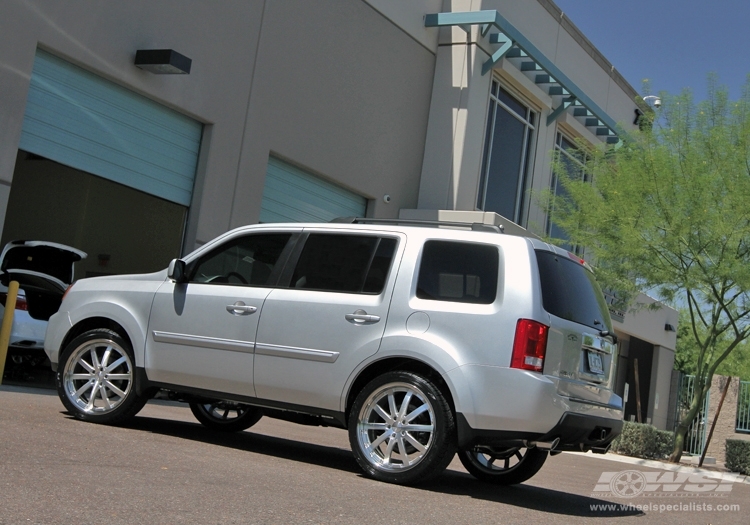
420, 341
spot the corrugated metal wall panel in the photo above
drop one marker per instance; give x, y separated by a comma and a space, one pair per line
81, 120
291, 195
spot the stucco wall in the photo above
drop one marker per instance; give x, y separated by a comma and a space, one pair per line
332, 86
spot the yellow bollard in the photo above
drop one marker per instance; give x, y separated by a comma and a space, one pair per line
10, 310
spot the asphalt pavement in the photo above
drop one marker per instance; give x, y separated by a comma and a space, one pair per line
163, 467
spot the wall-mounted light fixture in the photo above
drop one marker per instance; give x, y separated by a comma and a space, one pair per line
163, 61
669, 328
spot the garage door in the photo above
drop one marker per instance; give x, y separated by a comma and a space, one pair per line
292, 195
83, 121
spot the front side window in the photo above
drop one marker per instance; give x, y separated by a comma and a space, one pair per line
508, 153
243, 261
344, 263
573, 159
459, 272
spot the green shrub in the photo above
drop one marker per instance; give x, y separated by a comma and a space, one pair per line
738, 456
643, 441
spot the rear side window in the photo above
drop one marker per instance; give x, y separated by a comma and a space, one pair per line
344, 263
459, 272
570, 291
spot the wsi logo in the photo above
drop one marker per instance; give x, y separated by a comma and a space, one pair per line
632, 483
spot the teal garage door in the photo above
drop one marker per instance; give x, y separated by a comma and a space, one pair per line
83, 121
292, 195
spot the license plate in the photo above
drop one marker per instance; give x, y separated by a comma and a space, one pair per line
595, 363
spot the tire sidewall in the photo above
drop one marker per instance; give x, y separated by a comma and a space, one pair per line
442, 449
129, 405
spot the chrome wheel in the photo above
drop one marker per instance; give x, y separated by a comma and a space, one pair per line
98, 376
227, 416
504, 466
395, 427
224, 410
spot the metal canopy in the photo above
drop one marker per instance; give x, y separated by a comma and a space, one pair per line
518, 50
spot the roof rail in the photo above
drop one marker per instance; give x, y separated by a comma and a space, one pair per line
474, 226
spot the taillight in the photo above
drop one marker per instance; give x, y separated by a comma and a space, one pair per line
529, 345
66, 292
21, 303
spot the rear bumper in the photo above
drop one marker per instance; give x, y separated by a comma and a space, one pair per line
504, 406
579, 432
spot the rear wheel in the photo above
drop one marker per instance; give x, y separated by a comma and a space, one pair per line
96, 378
402, 429
226, 416
502, 466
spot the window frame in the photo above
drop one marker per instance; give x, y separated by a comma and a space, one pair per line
531, 122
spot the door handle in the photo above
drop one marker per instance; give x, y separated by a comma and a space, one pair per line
240, 308
362, 317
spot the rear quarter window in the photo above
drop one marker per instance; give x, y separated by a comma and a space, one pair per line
459, 272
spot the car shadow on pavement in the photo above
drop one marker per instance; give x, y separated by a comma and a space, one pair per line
450, 482
529, 497
320, 455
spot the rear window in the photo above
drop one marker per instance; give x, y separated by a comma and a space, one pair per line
570, 291
43, 259
459, 272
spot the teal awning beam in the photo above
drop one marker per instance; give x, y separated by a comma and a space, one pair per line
506, 44
493, 18
559, 110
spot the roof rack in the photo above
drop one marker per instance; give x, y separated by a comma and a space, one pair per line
474, 226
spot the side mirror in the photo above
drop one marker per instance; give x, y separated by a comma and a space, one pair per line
176, 271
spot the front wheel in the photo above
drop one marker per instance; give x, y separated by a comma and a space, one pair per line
226, 416
502, 466
96, 378
402, 429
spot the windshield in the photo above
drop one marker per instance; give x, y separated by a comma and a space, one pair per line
570, 291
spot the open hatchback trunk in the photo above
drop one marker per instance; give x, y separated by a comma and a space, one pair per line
43, 270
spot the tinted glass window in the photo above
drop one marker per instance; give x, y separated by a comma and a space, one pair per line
245, 261
344, 263
459, 272
42, 259
570, 291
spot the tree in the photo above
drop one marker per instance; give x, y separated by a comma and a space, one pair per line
669, 212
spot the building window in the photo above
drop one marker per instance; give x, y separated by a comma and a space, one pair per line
574, 160
508, 154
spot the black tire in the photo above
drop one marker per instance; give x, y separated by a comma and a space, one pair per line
415, 441
226, 416
507, 466
96, 378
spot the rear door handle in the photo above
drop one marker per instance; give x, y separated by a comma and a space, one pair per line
362, 317
240, 308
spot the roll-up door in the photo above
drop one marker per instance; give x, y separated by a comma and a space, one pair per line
292, 195
81, 120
